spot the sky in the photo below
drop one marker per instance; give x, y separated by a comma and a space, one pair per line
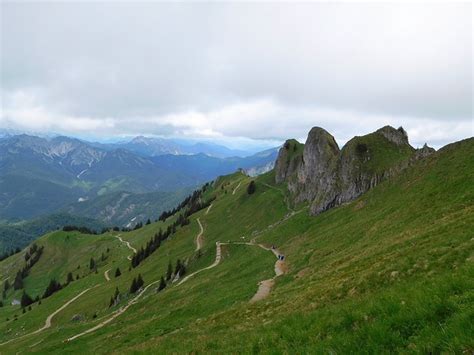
237, 73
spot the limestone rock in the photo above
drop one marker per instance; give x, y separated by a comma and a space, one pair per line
288, 160
424, 152
398, 136
327, 177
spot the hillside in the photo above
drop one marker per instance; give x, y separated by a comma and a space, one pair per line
389, 271
18, 235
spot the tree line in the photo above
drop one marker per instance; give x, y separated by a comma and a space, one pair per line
32, 256
191, 201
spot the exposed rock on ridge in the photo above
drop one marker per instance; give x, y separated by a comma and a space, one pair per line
326, 176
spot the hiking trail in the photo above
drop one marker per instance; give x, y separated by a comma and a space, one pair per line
199, 238
128, 245
47, 323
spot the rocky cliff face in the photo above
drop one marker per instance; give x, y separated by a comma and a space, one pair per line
288, 160
326, 176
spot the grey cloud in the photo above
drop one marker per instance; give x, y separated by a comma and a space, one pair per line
266, 70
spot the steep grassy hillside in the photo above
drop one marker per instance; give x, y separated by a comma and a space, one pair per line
389, 272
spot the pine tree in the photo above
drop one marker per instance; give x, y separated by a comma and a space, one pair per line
251, 187
26, 300
18, 283
178, 267
117, 272
92, 264
69, 278
169, 273
139, 281
133, 286
162, 284
53, 287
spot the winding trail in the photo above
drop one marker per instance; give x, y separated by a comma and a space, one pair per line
265, 286
106, 275
209, 208
235, 190
199, 238
263, 291
114, 315
216, 262
47, 323
128, 245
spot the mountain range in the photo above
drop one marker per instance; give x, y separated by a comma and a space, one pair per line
364, 248
118, 184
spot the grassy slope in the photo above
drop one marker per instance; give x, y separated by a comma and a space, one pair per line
390, 271
383, 154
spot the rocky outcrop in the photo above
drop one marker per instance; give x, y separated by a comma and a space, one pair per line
318, 169
326, 176
424, 152
288, 160
398, 136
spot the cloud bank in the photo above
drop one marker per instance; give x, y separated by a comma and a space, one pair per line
265, 71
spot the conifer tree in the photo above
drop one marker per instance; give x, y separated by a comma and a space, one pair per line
133, 286
117, 272
162, 284
53, 287
251, 187
69, 278
139, 281
18, 283
26, 300
169, 273
178, 267
92, 264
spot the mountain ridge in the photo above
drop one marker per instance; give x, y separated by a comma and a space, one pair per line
327, 176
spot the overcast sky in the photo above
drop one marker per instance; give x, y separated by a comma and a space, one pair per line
267, 71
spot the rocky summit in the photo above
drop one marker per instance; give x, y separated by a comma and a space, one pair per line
326, 176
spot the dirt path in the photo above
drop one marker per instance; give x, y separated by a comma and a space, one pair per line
216, 262
265, 286
199, 238
114, 315
128, 245
47, 323
209, 208
106, 275
235, 190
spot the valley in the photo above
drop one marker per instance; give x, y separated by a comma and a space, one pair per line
102, 185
